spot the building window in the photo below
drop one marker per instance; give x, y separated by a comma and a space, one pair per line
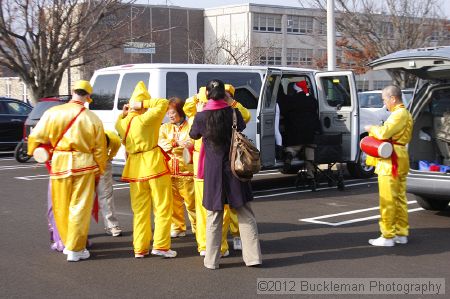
269, 56
380, 84
267, 22
299, 56
8, 88
322, 27
24, 93
299, 24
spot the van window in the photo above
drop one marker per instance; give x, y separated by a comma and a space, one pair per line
246, 84
127, 86
104, 90
177, 85
337, 91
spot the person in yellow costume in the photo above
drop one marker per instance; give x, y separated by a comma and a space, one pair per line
147, 171
392, 171
79, 158
193, 105
174, 139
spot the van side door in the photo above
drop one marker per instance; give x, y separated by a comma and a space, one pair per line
265, 124
338, 106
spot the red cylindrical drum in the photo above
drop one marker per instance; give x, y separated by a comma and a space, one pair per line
376, 148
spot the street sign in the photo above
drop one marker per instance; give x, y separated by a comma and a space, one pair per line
139, 48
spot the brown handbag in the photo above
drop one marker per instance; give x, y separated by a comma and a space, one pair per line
244, 156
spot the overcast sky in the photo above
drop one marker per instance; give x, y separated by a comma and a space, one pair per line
215, 3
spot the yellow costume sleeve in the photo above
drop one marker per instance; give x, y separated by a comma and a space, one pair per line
114, 144
190, 106
100, 153
40, 134
157, 107
121, 126
392, 126
164, 141
244, 111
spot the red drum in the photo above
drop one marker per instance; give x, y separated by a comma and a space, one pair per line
187, 154
376, 148
42, 154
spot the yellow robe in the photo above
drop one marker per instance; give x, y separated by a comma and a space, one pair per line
170, 135
77, 159
149, 176
114, 144
393, 203
190, 108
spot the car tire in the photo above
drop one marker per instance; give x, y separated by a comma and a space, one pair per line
20, 153
359, 169
432, 204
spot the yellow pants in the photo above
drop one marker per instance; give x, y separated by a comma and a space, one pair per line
393, 206
156, 195
72, 200
230, 221
183, 194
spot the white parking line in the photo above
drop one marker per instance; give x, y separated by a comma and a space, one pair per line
14, 167
33, 177
316, 221
318, 189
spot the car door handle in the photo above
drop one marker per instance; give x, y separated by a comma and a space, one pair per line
269, 122
340, 117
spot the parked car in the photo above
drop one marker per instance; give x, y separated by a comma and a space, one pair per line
430, 107
20, 152
12, 118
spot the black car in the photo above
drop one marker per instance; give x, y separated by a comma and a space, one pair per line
41, 106
13, 114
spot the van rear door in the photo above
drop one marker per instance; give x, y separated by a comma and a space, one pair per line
338, 106
265, 123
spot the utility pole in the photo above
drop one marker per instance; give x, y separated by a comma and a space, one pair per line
331, 36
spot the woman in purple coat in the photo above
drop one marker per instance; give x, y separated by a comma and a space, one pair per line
221, 187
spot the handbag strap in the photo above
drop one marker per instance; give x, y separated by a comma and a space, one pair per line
68, 127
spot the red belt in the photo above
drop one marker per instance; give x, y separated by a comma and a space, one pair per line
394, 158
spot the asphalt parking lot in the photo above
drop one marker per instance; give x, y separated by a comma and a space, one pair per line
303, 234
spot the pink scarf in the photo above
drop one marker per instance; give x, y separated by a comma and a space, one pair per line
210, 105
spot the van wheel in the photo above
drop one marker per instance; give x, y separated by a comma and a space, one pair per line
432, 204
359, 169
20, 153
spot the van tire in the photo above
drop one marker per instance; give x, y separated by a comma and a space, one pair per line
432, 204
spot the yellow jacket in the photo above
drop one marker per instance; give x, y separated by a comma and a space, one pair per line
145, 159
398, 128
190, 108
83, 147
114, 144
170, 135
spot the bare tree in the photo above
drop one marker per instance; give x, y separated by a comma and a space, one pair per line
40, 39
369, 29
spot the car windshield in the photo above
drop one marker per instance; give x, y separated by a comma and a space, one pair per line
370, 100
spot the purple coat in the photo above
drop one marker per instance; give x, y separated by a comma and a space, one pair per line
220, 186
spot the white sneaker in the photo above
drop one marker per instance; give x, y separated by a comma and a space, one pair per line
175, 234
225, 254
66, 251
140, 255
114, 231
165, 253
382, 242
203, 253
75, 256
237, 245
401, 239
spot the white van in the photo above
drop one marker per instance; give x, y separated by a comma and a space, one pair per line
257, 88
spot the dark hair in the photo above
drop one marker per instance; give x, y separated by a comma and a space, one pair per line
81, 92
177, 104
216, 89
